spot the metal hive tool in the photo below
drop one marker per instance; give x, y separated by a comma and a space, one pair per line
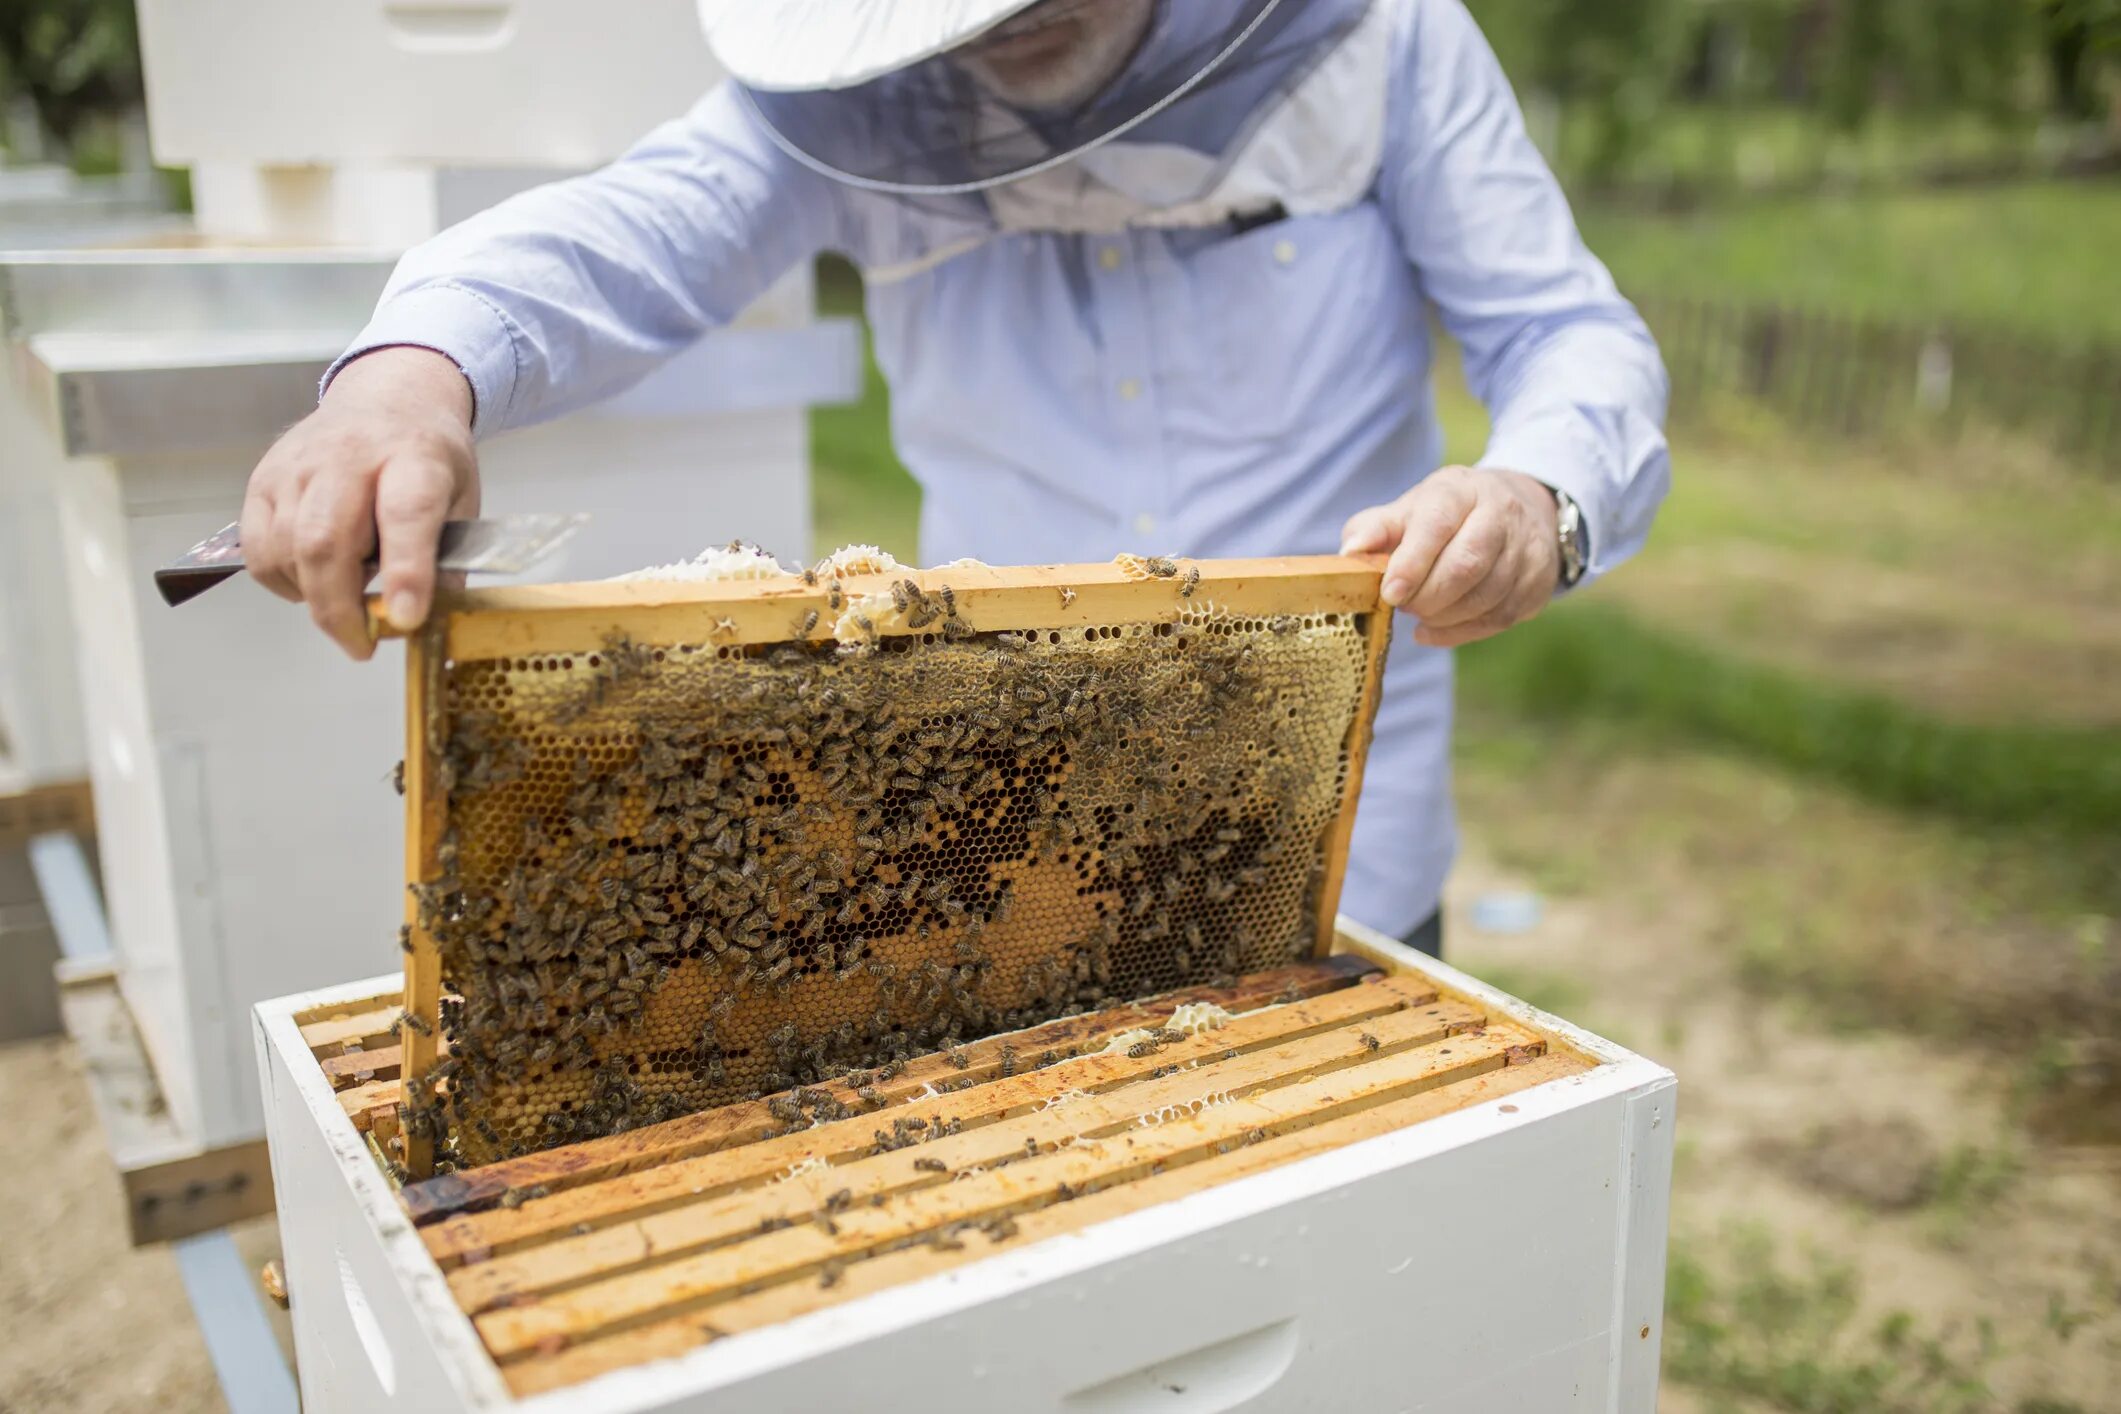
675, 845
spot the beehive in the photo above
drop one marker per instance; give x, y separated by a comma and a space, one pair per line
605, 1255
678, 845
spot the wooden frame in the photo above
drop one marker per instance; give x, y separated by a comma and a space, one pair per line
581, 618
174, 1188
558, 618
43, 809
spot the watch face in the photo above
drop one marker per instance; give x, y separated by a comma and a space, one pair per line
1574, 544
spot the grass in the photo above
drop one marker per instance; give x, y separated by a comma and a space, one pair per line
2023, 257
1741, 1320
1851, 914
1971, 1179
861, 492
1730, 149
1592, 659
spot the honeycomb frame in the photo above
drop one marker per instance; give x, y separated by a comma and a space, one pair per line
553, 725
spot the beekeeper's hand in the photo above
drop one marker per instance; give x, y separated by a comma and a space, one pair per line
1473, 552
386, 457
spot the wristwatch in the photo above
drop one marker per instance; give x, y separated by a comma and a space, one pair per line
1575, 538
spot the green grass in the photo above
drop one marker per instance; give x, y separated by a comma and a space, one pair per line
862, 493
2029, 256
1742, 1321
1971, 1180
1728, 149
1591, 659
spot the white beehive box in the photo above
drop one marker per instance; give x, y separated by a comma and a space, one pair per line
323, 138
153, 382
40, 701
1498, 1244
415, 83
40, 705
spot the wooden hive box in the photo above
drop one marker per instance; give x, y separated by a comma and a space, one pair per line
1242, 1155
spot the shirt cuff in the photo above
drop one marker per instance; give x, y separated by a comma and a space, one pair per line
1558, 451
464, 327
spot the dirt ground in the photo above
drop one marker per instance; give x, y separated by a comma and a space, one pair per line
93, 1324
1803, 1152
1799, 1145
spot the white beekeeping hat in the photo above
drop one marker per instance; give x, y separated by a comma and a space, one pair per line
794, 45
927, 97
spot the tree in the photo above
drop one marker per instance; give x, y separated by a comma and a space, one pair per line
74, 59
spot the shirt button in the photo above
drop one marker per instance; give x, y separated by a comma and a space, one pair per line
1144, 523
1285, 252
1130, 388
1110, 257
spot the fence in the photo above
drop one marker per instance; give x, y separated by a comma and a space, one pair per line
1859, 377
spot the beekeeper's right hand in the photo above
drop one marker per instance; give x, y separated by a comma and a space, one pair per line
371, 474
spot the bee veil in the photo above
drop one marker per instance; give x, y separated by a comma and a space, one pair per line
959, 98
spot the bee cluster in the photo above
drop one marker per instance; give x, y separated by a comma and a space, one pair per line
682, 875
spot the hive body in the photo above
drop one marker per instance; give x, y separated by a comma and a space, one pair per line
1376, 1184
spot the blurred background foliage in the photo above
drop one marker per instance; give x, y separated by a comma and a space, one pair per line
69, 69
1611, 80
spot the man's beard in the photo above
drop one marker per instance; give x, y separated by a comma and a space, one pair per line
1059, 54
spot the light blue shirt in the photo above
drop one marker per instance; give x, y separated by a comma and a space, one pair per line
1065, 398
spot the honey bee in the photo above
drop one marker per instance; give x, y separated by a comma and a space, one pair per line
415, 1021
829, 1275
1190, 583
1369, 1042
1160, 567
1008, 1059
840, 1201
931, 1166
807, 626
949, 600
397, 777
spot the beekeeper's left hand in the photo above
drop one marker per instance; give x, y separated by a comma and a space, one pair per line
1474, 551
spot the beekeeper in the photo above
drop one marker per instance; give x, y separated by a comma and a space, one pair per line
1146, 275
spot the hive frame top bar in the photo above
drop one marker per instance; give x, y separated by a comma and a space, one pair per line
511, 620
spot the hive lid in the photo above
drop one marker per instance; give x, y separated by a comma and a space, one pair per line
676, 844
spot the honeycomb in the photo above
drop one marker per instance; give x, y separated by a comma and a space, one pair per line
680, 875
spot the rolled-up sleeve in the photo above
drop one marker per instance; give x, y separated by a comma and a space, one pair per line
566, 294
1570, 375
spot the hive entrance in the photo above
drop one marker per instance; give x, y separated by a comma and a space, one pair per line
676, 851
